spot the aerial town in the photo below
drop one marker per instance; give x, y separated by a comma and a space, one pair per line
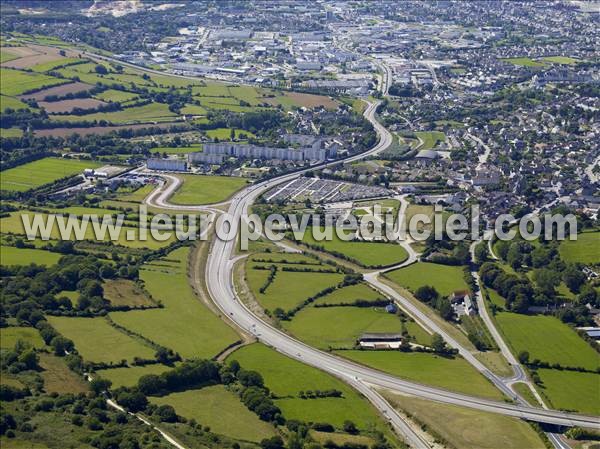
140, 139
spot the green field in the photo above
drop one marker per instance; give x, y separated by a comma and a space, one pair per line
495, 298
430, 139
9, 255
138, 195
185, 324
525, 62
123, 292
128, 376
570, 390
560, 60
289, 288
583, 250
340, 438
286, 378
548, 339
14, 224
6, 55
445, 278
350, 294
58, 378
16, 82
12, 103
465, 428
178, 150
116, 96
97, 341
225, 133
367, 254
201, 189
453, 374
340, 327
42, 171
221, 410
149, 113
10, 335
10, 132
47, 66
193, 109
12, 443
80, 210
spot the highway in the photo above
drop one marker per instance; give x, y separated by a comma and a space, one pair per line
219, 281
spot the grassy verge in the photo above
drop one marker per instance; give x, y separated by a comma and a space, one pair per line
464, 428
450, 373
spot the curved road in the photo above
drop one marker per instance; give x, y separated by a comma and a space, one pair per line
219, 281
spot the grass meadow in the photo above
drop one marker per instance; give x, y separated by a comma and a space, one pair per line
17, 82
548, 339
9, 255
445, 278
10, 335
185, 324
43, 171
289, 288
12, 103
148, 113
196, 147
340, 327
463, 427
583, 250
10, 132
221, 410
201, 189
367, 254
430, 139
453, 374
123, 292
569, 390
350, 294
561, 60
523, 61
128, 376
286, 378
97, 341
58, 378
13, 224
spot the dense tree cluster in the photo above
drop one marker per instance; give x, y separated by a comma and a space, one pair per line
31, 290
517, 290
429, 295
102, 427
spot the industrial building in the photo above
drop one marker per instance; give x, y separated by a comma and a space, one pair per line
380, 341
166, 164
216, 153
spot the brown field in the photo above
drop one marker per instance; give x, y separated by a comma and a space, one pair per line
122, 292
100, 130
64, 89
311, 101
21, 52
58, 378
69, 105
33, 55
